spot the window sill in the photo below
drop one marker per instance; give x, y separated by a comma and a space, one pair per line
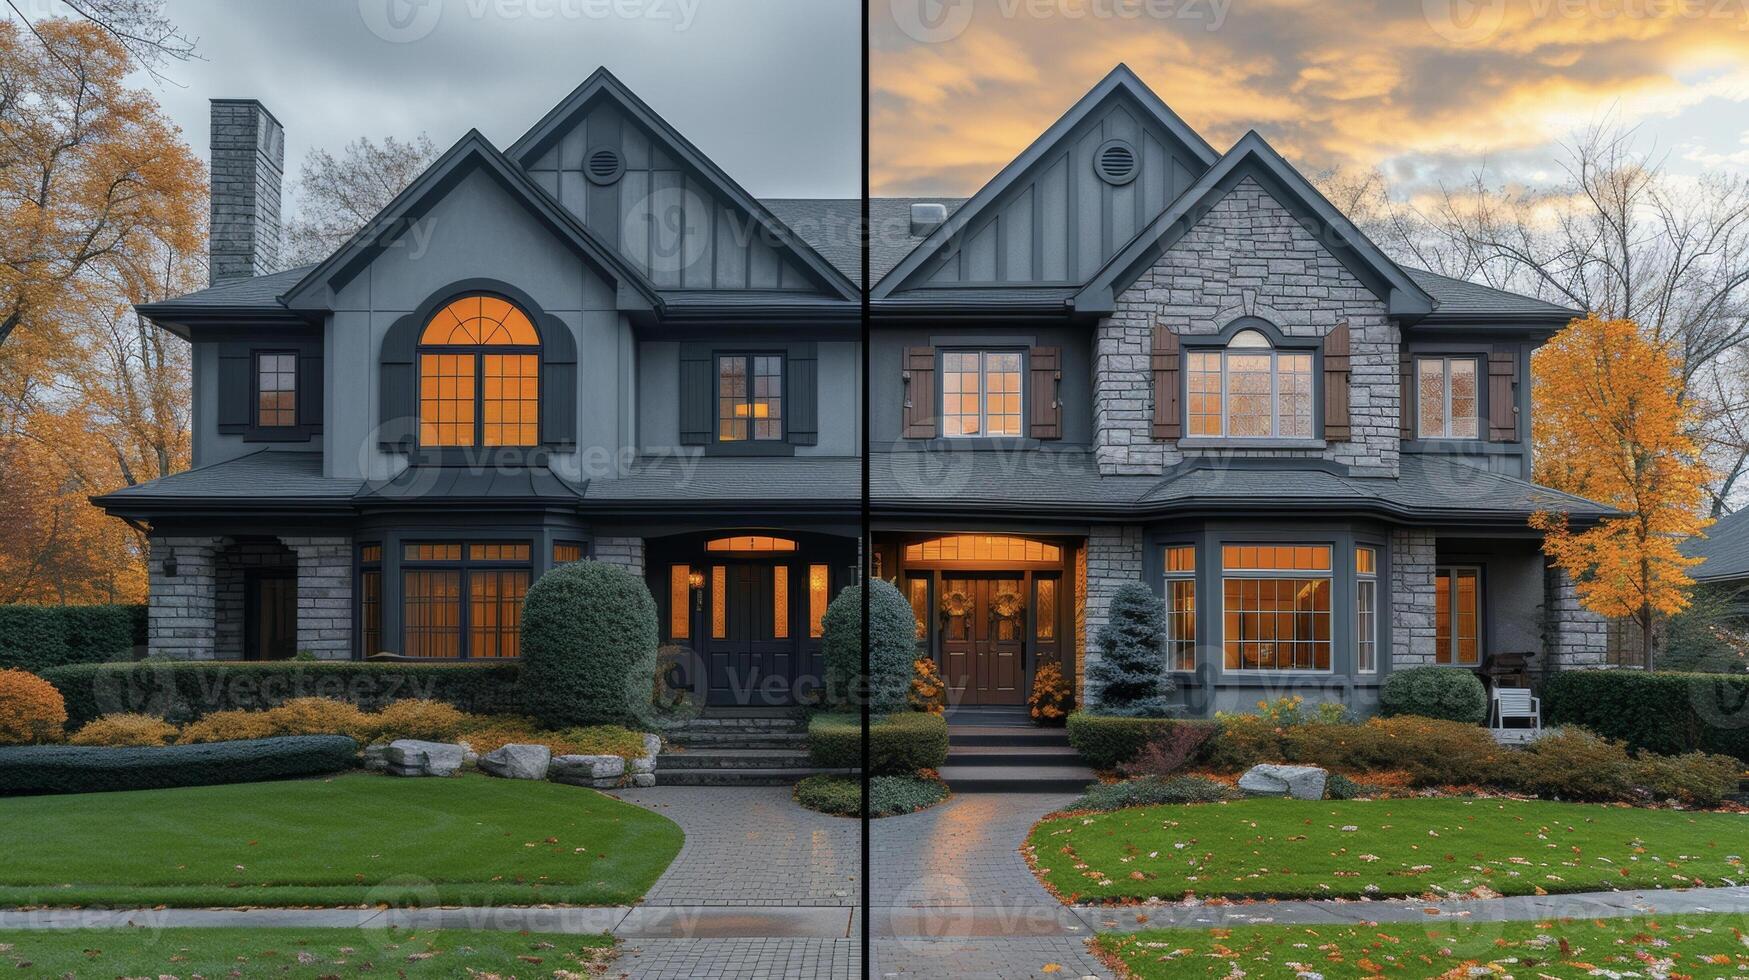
1211, 442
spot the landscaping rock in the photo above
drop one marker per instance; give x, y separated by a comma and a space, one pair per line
644, 779
412, 757
599, 771
1299, 782
376, 758
517, 762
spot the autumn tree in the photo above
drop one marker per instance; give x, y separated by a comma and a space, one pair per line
337, 195
1611, 426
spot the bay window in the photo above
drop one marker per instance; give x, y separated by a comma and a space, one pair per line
1181, 607
1249, 390
1276, 607
463, 601
1366, 610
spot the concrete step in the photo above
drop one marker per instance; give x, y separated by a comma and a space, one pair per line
1012, 755
742, 725
700, 741
732, 759
1017, 779
1002, 717
738, 777
999, 735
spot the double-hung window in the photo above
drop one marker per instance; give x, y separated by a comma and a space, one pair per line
1275, 605
981, 393
1366, 610
1446, 393
750, 398
1249, 390
1181, 607
276, 389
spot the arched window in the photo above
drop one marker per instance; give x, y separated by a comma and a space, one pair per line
1250, 390
479, 376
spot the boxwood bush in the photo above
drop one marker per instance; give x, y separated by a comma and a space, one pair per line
1668, 713
37, 769
1106, 742
888, 795
589, 639
892, 647
1449, 693
899, 744
35, 638
183, 690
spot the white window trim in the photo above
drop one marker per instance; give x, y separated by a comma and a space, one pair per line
983, 354
1328, 574
1372, 577
1445, 376
1275, 416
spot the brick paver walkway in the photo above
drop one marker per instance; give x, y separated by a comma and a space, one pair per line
739, 959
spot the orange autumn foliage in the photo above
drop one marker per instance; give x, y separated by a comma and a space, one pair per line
31, 710
1611, 425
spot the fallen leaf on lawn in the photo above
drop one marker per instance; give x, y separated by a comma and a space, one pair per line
1051, 968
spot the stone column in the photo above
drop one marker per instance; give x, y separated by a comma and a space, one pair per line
1578, 638
628, 553
1114, 559
1414, 562
324, 595
181, 608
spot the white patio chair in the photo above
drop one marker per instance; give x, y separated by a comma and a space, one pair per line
1518, 705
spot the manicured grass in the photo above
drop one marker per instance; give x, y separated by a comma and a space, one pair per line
1682, 945
350, 840
1277, 848
305, 954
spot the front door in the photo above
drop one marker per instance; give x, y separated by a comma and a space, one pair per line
270, 614
983, 638
750, 640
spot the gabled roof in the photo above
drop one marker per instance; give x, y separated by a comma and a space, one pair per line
472, 153
1724, 551
1253, 156
1120, 80
603, 85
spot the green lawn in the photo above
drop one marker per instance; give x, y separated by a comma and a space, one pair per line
1683, 945
1278, 848
350, 840
297, 953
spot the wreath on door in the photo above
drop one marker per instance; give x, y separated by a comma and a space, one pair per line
1006, 604
955, 602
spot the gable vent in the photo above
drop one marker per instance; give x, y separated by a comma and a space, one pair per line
604, 166
1115, 162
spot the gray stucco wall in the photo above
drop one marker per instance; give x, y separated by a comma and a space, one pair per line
209, 445
838, 396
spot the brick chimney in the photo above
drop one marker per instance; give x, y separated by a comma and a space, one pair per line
248, 161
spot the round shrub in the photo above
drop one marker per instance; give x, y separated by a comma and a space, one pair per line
228, 726
841, 796
126, 731
892, 646
589, 641
431, 721
319, 716
1434, 692
31, 710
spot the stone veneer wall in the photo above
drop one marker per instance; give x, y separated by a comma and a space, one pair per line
1578, 639
324, 595
181, 610
1114, 558
1248, 256
1414, 561
628, 553
198, 613
230, 564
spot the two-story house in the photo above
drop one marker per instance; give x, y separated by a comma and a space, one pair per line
1130, 357
591, 343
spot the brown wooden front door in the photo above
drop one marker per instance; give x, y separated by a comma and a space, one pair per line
983, 651
270, 614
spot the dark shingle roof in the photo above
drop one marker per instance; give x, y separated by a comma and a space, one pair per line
1459, 297
1724, 551
267, 474
259, 291
733, 478
455, 483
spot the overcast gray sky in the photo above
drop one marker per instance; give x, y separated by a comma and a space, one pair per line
723, 72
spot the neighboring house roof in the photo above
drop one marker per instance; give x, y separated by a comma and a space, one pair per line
1724, 551
1069, 483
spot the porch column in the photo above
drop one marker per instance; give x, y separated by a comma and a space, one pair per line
1578, 638
1414, 566
324, 595
181, 605
628, 553
1114, 558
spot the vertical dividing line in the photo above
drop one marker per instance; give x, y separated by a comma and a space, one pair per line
867, 537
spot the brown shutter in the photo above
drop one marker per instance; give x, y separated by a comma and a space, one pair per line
919, 377
1168, 420
1503, 396
1406, 404
1336, 384
1045, 411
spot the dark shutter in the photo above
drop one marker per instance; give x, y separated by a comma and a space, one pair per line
1503, 396
919, 380
1336, 384
310, 387
558, 386
397, 408
1406, 402
802, 394
235, 383
697, 392
1168, 420
1045, 411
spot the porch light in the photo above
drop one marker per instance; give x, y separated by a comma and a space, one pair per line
695, 579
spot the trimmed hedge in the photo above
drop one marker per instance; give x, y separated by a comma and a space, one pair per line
1667, 713
1106, 741
35, 638
589, 639
36, 769
899, 744
892, 647
1447, 693
182, 690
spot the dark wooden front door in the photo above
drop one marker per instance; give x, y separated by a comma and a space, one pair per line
983, 650
270, 614
750, 642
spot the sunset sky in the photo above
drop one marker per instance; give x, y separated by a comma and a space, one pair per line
1425, 89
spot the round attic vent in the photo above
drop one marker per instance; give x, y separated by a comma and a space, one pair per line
1115, 162
604, 166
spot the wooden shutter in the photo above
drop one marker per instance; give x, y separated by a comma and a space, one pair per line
1336, 384
697, 394
919, 380
1503, 396
1044, 407
1168, 420
801, 395
1406, 401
